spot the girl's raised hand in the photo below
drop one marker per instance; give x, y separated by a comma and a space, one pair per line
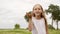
29, 15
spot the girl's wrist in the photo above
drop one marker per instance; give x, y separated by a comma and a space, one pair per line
30, 19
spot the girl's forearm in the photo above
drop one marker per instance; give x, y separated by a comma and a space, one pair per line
30, 25
46, 29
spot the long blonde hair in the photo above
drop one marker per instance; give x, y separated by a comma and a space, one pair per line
43, 16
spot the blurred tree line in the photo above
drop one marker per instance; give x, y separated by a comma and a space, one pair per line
54, 10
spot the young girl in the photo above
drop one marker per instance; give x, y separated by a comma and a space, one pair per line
37, 21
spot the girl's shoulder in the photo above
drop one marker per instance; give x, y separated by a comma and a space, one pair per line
42, 19
33, 18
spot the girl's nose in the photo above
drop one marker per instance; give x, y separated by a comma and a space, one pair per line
37, 10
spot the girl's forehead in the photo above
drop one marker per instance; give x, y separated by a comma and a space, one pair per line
37, 6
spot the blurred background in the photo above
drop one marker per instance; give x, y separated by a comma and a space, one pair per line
12, 13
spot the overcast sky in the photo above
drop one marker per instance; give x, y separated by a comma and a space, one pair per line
13, 11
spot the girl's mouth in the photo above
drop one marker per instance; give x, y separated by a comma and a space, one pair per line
38, 12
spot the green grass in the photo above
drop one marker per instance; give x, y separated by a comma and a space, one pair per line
54, 31
17, 31
23, 31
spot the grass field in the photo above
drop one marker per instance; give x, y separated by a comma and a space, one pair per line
23, 31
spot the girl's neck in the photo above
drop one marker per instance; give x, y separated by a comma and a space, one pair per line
38, 17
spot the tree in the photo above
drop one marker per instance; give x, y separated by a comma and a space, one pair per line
51, 27
17, 26
50, 10
55, 11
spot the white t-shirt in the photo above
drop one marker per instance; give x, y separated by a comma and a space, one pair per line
39, 26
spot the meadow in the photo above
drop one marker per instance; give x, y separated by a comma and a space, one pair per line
24, 31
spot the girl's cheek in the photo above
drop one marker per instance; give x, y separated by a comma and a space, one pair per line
34, 11
40, 11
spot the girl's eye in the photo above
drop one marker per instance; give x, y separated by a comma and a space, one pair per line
39, 9
35, 9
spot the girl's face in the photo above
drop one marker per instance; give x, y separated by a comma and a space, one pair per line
37, 10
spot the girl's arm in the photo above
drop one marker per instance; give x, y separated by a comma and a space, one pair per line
30, 21
30, 25
46, 28
45, 22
